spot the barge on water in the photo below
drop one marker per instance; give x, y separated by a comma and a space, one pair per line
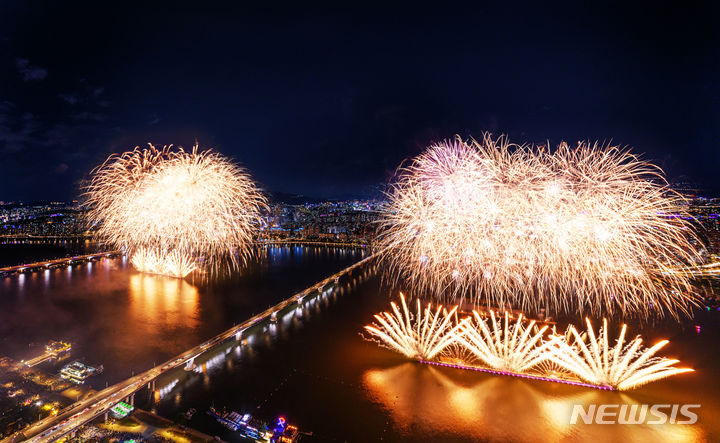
255, 429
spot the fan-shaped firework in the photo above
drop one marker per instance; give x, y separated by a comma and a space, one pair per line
574, 229
521, 348
422, 335
172, 263
510, 346
622, 366
174, 207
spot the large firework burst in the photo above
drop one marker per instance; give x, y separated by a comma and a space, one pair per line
584, 228
174, 208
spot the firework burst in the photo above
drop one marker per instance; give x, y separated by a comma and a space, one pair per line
520, 348
171, 263
422, 335
625, 365
584, 228
171, 208
504, 345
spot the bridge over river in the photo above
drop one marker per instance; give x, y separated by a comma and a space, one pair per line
67, 421
63, 261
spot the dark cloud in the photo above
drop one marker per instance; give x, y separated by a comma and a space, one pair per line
71, 99
89, 116
28, 72
86, 94
16, 129
43, 143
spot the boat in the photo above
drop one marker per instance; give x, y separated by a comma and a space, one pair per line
228, 419
255, 429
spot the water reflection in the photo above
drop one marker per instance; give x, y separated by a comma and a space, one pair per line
338, 385
128, 321
315, 370
229, 355
428, 399
158, 302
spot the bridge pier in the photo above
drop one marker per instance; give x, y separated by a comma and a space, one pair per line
106, 417
132, 400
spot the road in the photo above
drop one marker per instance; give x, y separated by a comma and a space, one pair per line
44, 237
83, 411
57, 261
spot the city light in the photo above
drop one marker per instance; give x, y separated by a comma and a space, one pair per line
174, 210
588, 228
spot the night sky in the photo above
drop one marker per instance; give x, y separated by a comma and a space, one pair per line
327, 102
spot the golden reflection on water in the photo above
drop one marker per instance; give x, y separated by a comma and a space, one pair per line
479, 406
162, 303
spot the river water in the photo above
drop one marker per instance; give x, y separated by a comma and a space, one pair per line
313, 367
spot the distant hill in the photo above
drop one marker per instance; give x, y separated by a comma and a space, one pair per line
291, 199
299, 199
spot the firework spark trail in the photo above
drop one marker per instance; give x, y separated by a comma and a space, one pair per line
422, 335
148, 260
622, 366
521, 349
171, 263
177, 205
574, 229
515, 348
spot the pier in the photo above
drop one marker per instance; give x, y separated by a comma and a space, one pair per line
53, 350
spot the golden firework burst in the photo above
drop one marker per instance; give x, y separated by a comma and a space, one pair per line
590, 228
174, 210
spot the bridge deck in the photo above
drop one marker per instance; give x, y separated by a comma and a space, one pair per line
57, 261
